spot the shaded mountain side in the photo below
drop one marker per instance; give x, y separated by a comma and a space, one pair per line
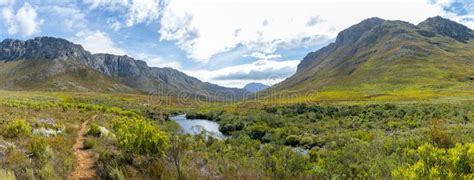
377, 55
255, 87
56, 75
57, 62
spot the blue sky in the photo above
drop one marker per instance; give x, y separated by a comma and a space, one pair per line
227, 42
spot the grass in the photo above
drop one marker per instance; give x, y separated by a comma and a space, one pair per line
67, 110
387, 70
70, 109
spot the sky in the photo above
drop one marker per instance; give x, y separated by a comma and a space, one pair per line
226, 42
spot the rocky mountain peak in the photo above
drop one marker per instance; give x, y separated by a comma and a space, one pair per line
447, 27
40, 48
49, 56
346, 38
353, 33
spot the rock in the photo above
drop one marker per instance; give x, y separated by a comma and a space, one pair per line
49, 121
445, 27
353, 33
41, 48
104, 132
47, 132
63, 56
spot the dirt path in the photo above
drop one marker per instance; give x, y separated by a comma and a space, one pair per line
85, 168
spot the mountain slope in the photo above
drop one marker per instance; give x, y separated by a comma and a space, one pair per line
55, 75
379, 57
255, 87
47, 63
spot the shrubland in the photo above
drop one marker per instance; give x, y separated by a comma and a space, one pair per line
131, 139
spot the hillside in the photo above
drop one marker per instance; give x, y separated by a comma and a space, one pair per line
47, 63
255, 87
377, 58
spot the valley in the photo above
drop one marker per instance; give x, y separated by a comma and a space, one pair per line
132, 139
386, 100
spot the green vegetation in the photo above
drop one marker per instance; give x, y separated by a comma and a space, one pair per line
139, 136
439, 163
286, 141
94, 130
353, 141
386, 100
390, 61
17, 128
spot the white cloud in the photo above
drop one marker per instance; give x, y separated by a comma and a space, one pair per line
135, 11
7, 2
260, 55
97, 42
109, 4
466, 19
143, 11
206, 28
114, 24
264, 71
312, 21
24, 21
158, 61
72, 18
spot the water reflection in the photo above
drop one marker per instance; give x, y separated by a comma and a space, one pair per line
198, 126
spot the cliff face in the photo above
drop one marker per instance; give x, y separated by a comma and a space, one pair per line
446, 27
62, 57
41, 48
381, 55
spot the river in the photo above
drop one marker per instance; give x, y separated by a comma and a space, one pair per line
211, 128
198, 126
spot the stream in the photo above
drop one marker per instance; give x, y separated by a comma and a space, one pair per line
209, 128
198, 126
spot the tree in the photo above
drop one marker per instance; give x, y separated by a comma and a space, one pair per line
177, 150
438, 134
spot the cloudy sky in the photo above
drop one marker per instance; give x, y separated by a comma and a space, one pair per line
227, 42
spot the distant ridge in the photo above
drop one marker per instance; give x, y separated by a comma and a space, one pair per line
255, 87
378, 56
48, 63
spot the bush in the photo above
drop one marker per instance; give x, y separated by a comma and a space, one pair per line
15, 159
17, 128
439, 163
94, 130
292, 140
363, 135
140, 136
438, 134
115, 173
46, 172
231, 127
257, 131
7, 175
307, 141
89, 143
40, 151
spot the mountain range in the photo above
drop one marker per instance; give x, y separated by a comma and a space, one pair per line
375, 57
255, 87
379, 57
52, 64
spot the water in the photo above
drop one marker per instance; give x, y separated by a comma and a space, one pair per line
211, 128
198, 126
